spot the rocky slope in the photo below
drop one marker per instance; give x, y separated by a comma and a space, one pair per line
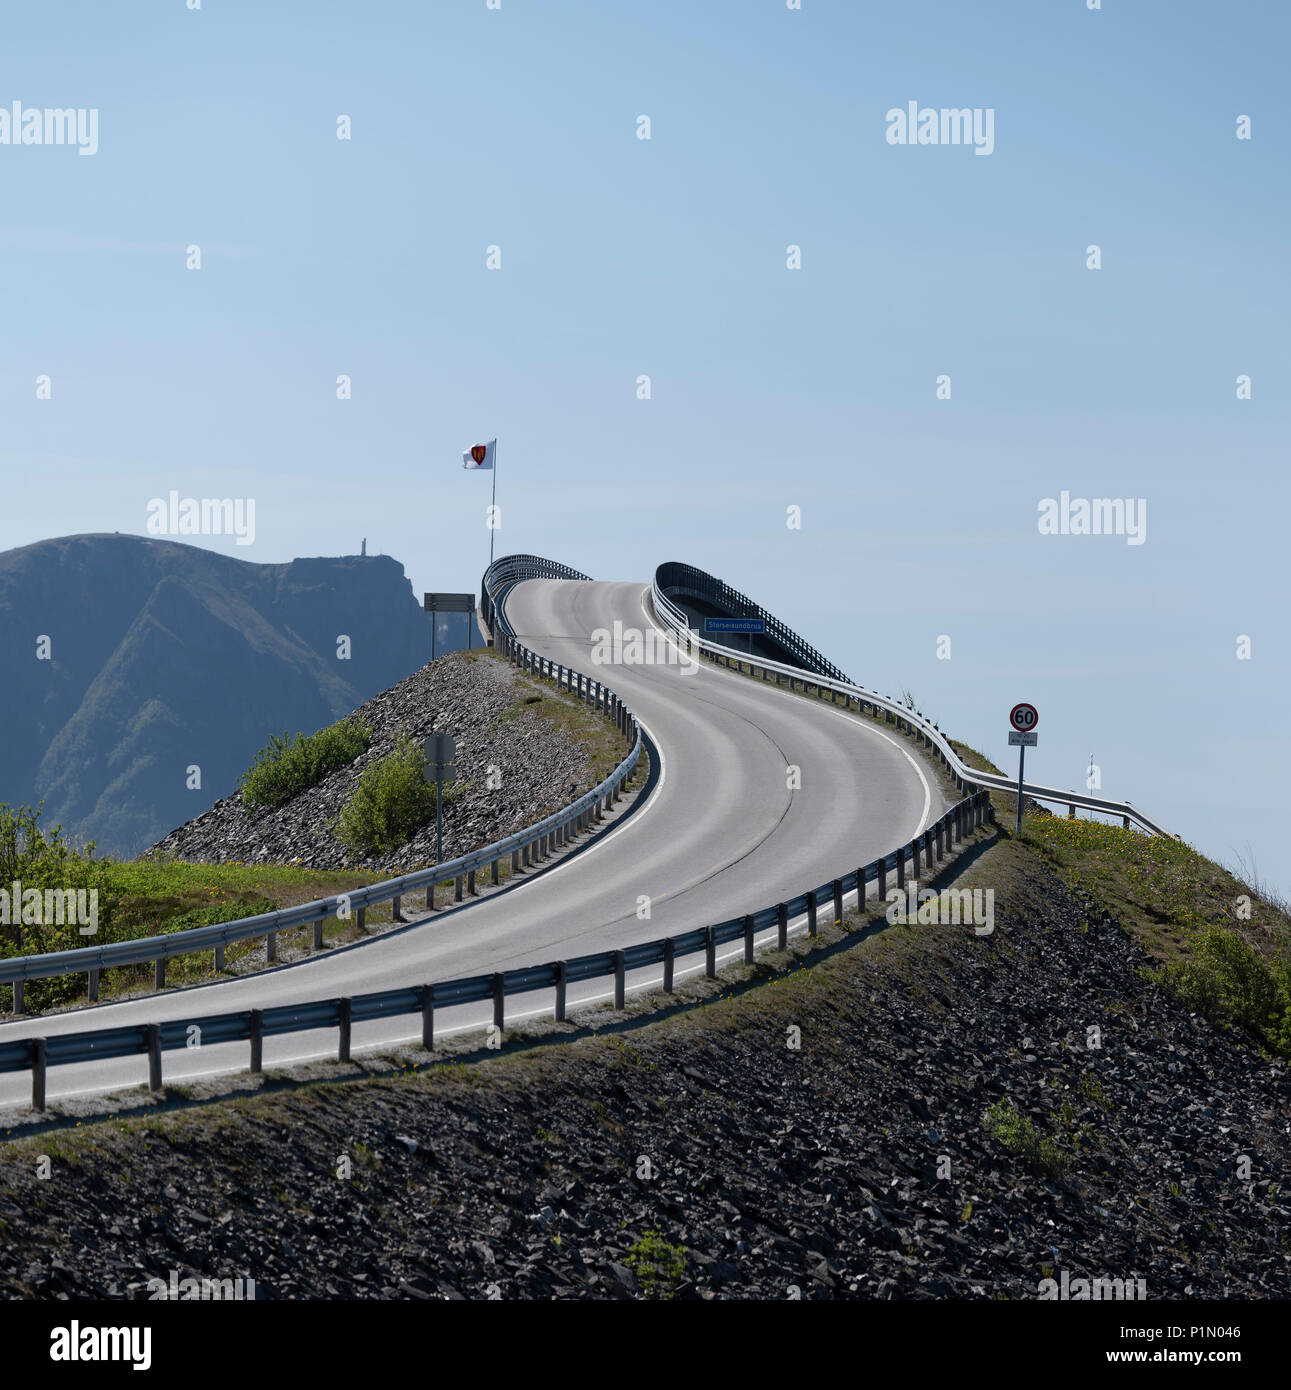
478, 698
856, 1166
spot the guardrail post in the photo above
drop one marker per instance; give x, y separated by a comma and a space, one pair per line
154, 1056
159, 973
1125, 822
457, 889
428, 1017
838, 902
669, 956
619, 972
710, 953
524, 854
38, 1050
470, 883
499, 998
219, 959
430, 894
493, 873
959, 825
396, 907
17, 998
901, 867
1071, 811
927, 847
318, 935
782, 925
748, 939
914, 858
811, 913
937, 829
257, 1040
271, 946
363, 919
562, 983
882, 866
92, 989
515, 861
347, 1014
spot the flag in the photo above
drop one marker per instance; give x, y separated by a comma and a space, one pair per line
480, 455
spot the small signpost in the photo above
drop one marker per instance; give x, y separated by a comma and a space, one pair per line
1022, 721
440, 754
449, 603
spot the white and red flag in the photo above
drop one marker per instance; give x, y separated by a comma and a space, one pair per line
480, 455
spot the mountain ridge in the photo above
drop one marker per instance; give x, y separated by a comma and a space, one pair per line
163, 657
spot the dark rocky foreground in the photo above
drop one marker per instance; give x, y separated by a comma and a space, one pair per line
541, 767
774, 1169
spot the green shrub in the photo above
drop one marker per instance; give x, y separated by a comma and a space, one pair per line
391, 803
288, 766
657, 1265
1227, 980
1016, 1135
44, 861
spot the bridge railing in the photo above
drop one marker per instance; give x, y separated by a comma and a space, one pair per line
531, 845
675, 577
965, 776
931, 847
934, 844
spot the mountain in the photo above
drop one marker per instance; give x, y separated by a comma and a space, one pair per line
164, 657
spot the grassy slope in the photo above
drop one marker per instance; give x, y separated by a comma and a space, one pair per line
1183, 908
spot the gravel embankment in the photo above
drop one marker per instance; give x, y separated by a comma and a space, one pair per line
542, 767
822, 1168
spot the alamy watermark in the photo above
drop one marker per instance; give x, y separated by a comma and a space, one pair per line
49, 125
1066, 515
36, 907
630, 646
203, 516
237, 1290
1065, 1288
949, 125
952, 907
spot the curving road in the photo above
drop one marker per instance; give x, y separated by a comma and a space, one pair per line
722, 834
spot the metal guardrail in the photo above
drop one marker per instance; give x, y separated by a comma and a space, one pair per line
532, 844
675, 578
965, 776
931, 846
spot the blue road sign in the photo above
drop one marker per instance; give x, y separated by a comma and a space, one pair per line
735, 625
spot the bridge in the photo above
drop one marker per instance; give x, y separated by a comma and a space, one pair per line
761, 806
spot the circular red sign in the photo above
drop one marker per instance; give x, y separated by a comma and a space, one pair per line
1023, 717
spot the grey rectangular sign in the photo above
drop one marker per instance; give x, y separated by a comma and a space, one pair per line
449, 603
440, 753
1025, 738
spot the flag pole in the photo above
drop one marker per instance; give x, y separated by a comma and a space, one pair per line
494, 508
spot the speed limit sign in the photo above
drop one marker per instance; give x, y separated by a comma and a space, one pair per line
1022, 722
1023, 718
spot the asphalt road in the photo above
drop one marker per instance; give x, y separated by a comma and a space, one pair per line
728, 829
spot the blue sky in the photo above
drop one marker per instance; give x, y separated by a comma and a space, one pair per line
770, 387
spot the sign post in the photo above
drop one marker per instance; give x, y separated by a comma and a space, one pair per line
1022, 721
449, 603
440, 754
